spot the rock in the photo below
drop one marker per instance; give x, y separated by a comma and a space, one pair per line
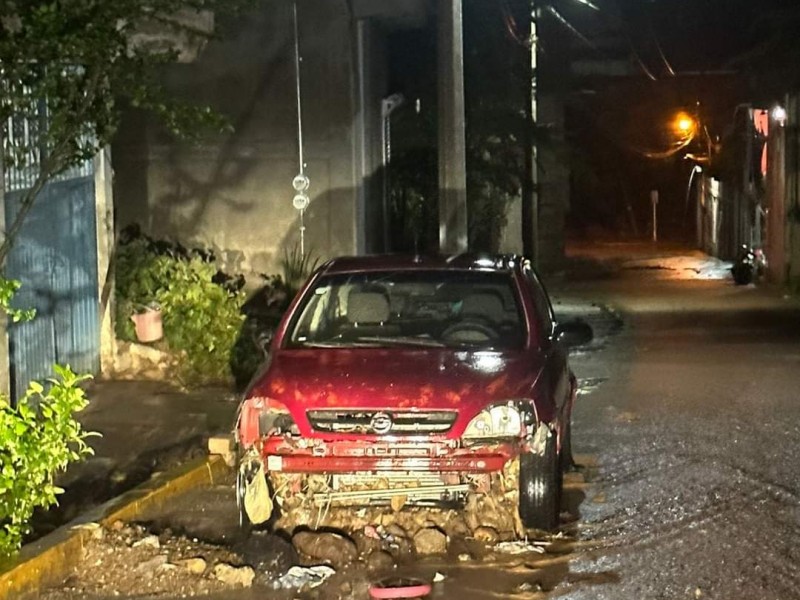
266, 552
379, 561
326, 546
400, 547
151, 541
487, 535
396, 530
234, 576
456, 526
117, 526
148, 567
366, 544
138, 361
196, 566
430, 540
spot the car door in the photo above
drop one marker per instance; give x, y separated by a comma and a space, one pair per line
557, 366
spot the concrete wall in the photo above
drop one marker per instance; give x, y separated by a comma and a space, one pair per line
233, 192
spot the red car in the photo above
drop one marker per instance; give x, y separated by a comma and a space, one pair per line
418, 377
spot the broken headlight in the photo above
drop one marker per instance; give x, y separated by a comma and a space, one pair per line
260, 417
502, 420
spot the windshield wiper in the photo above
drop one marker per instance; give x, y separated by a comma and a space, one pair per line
404, 341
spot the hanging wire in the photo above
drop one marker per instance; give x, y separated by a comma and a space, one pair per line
670, 70
297, 87
299, 123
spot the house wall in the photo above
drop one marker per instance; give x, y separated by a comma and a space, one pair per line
233, 192
792, 204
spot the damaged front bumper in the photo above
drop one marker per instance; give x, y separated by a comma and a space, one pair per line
447, 456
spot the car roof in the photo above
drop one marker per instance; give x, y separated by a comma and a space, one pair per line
456, 262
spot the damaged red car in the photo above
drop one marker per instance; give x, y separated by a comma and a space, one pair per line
439, 380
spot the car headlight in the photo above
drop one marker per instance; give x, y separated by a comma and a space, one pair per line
497, 421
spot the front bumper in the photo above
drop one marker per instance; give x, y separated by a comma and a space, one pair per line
289, 455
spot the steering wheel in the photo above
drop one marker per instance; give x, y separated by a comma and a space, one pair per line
469, 326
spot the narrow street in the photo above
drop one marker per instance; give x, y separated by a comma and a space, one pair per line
687, 426
696, 434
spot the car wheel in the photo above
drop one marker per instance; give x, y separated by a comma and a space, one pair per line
245, 525
540, 487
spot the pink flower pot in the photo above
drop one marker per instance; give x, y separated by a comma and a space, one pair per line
148, 325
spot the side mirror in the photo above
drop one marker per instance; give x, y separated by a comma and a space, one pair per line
573, 333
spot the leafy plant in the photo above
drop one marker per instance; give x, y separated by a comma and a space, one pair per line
296, 267
201, 311
9, 287
39, 438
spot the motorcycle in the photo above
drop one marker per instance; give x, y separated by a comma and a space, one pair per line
749, 266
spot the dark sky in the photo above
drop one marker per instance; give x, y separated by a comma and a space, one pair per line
692, 34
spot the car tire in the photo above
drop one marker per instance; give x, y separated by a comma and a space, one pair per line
245, 525
540, 487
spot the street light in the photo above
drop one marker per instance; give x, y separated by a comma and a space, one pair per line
685, 125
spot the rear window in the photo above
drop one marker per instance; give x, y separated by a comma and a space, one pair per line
458, 309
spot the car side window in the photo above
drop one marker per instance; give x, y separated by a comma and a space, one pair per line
544, 310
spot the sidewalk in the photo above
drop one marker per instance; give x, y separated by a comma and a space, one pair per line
146, 427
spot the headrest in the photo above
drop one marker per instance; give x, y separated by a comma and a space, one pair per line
367, 307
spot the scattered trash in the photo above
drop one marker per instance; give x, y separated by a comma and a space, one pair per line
528, 587
521, 547
438, 578
304, 577
399, 587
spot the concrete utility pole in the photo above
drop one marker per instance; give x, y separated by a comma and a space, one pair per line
452, 137
530, 185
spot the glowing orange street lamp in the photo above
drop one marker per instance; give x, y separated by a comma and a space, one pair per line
684, 124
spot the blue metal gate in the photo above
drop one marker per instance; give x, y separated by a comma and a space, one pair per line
55, 258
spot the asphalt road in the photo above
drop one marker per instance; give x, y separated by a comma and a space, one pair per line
692, 414
696, 430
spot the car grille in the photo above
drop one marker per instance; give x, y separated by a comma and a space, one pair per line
382, 422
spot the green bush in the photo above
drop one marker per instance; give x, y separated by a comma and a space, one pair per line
39, 438
202, 318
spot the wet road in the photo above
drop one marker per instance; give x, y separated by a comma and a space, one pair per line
697, 433
692, 414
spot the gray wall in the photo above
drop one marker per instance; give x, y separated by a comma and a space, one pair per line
233, 192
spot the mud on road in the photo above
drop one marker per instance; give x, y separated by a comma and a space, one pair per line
195, 547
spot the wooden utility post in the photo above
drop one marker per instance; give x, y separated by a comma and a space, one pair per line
452, 138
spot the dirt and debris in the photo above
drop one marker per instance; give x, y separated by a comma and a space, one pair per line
127, 560
177, 554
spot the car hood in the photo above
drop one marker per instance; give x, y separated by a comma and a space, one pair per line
315, 379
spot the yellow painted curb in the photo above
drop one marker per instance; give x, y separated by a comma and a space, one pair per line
49, 560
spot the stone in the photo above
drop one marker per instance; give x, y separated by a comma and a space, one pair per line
400, 547
234, 576
148, 567
196, 566
117, 525
151, 541
396, 530
224, 446
379, 561
326, 546
457, 526
430, 540
366, 544
487, 535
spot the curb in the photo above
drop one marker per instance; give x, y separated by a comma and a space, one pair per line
49, 560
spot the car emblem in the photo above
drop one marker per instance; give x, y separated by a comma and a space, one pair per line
381, 423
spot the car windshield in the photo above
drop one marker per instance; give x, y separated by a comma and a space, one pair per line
424, 309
